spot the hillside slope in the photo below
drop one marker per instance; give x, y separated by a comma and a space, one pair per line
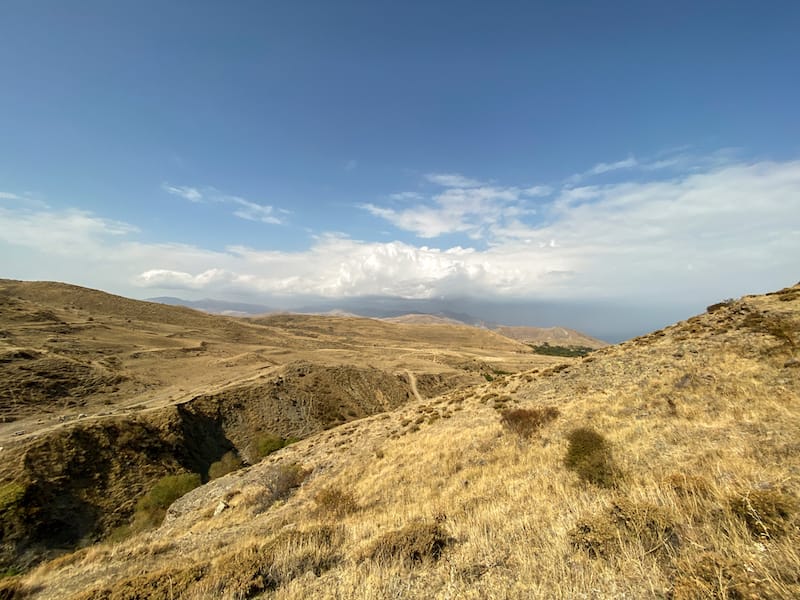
102, 396
554, 336
665, 467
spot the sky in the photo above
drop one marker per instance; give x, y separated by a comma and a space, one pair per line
612, 158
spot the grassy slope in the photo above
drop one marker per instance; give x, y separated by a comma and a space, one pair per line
703, 421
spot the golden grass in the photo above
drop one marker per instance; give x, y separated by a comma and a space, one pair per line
702, 422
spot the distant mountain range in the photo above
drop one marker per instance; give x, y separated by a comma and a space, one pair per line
558, 336
217, 307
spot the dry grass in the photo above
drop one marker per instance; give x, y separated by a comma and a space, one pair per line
460, 509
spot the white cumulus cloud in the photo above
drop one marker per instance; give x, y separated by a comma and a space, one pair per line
716, 232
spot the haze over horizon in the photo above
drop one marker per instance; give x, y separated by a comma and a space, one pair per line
608, 168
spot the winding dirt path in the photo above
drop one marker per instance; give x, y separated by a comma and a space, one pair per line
413, 380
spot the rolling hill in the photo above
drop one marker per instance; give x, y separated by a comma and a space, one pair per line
664, 467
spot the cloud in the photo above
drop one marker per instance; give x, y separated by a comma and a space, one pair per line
250, 211
403, 196
10, 196
538, 191
615, 166
467, 210
452, 180
708, 234
184, 191
351, 165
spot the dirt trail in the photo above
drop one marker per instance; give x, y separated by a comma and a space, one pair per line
412, 379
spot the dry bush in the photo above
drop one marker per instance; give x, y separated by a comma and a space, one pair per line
417, 542
260, 567
336, 502
288, 477
596, 535
624, 522
12, 589
779, 326
686, 484
229, 462
527, 421
589, 455
711, 576
650, 525
767, 513
168, 584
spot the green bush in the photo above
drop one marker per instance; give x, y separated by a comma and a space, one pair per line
266, 443
151, 508
10, 495
549, 350
589, 455
229, 462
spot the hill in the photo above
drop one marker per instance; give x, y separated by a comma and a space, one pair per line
93, 384
664, 467
554, 336
423, 319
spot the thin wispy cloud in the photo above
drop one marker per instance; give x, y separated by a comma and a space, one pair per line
452, 180
10, 196
615, 166
696, 234
254, 212
245, 209
183, 191
403, 196
538, 191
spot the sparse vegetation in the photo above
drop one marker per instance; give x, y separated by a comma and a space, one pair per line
267, 443
417, 542
570, 351
692, 501
229, 462
151, 508
525, 422
767, 513
336, 502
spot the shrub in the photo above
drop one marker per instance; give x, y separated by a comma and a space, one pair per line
261, 567
11, 588
150, 509
686, 485
767, 513
589, 455
626, 521
416, 542
564, 351
267, 443
288, 477
712, 576
527, 421
158, 585
596, 536
337, 502
229, 462
648, 523
10, 495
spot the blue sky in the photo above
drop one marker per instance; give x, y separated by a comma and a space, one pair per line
563, 151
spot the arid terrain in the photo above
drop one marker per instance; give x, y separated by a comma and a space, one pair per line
428, 460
